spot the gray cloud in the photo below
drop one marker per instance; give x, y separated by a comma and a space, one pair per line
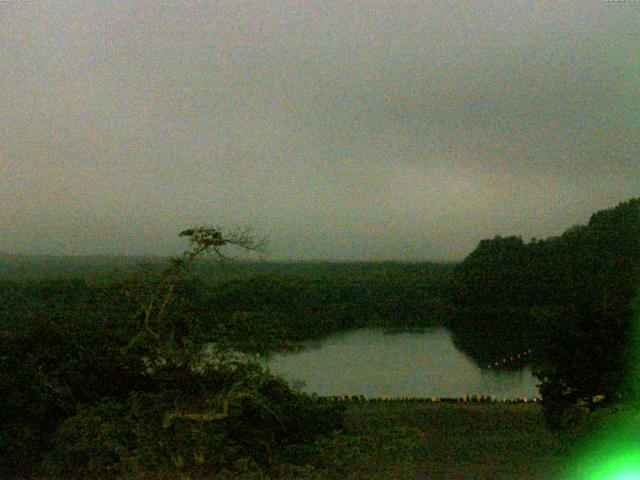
353, 130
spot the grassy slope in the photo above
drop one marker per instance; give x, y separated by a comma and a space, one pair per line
446, 441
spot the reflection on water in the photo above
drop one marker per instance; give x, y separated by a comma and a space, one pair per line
374, 364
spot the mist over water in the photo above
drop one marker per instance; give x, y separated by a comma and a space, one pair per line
373, 363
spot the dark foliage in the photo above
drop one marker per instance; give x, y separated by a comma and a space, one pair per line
112, 381
48, 367
567, 298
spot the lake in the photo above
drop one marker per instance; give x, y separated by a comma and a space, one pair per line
374, 363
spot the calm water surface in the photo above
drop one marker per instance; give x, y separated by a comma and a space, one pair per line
373, 363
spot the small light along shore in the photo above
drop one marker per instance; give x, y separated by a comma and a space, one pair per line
463, 399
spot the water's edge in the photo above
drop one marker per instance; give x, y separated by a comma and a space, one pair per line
376, 364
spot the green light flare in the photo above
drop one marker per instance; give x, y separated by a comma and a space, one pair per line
623, 467
631, 476
610, 460
633, 378
612, 452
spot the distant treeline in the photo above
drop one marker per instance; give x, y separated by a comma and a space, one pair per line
254, 307
23, 267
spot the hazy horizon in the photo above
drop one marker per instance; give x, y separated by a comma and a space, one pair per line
266, 256
342, 131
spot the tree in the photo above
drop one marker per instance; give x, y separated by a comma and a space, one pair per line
87, 397
566, 297
588, 333
162, 338
491, 275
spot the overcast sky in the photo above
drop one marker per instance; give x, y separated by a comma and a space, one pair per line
341, 130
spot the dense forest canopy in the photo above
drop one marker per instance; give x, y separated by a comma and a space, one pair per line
567, 297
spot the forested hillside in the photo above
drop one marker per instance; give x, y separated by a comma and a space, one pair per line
251, 307
567, 298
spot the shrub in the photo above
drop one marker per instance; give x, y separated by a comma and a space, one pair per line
195, 423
